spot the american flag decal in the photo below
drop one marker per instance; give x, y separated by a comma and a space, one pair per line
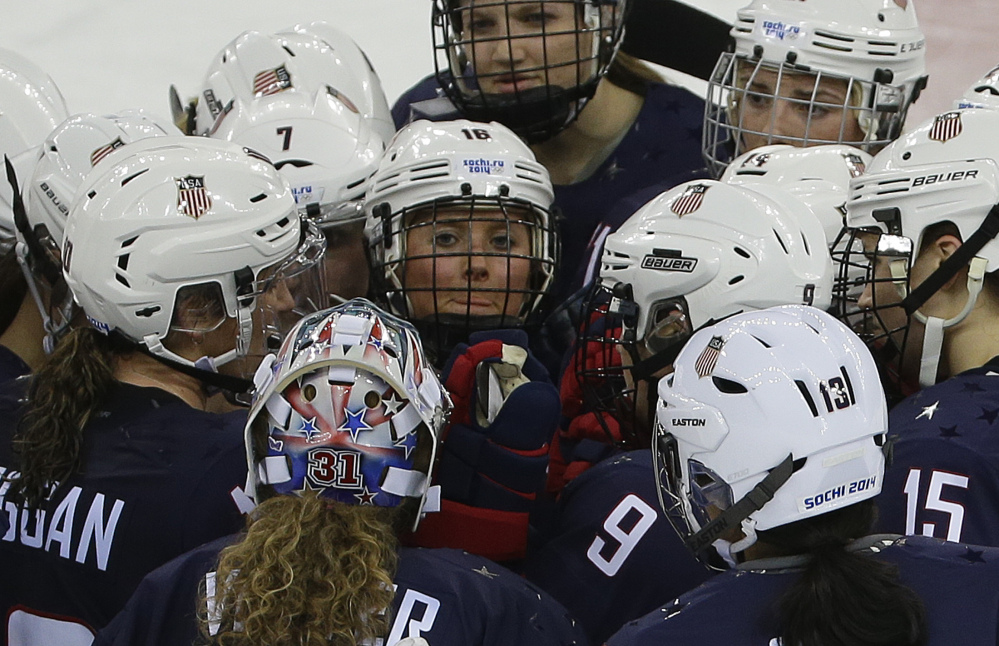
705, 363
854, 164
192, 198
271, 81
946, 127
342, 98
104, 151
690, 201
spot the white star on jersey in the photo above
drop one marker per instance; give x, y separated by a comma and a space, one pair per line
928, 411
484, 571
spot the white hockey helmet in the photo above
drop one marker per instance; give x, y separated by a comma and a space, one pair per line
984, 93
67, 156
451, 174
350, 408
769, 418
699, 253
945, 170
169, 213
308, 99
820, 177
30, 107
875, 48
569, 74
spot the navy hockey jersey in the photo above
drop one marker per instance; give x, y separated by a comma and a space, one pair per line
944, 477
664, 141
612, 556
11, 365
959, 586
158, 478
448, 597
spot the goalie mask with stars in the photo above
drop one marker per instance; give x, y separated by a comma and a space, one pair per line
348, 408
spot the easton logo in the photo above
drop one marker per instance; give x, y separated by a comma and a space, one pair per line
659, 263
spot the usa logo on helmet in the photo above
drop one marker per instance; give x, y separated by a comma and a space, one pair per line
104, 151
271, 81
705, 363
690, 201
192, 198
946, 126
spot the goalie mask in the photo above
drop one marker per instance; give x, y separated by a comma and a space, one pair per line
30, 107
69, 154
459, 228
699, 253
942, 178
193, 236
348, 408
770, 417
530, 65
816, 72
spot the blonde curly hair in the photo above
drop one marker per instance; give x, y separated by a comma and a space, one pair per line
308, 572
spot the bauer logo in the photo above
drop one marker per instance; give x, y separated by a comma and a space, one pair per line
780, 30
659, 263
833, 494
483, 166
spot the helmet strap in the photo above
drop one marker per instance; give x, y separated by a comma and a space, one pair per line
964, 255
752, 502
203, 369
934, 327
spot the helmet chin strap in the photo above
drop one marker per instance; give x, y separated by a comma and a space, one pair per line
205, 369
752, 502
933, 334
728, 550
965, 255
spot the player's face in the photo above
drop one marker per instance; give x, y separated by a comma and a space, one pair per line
345, 262
469, 266
794, 108
884, 296
669, 327
517, 45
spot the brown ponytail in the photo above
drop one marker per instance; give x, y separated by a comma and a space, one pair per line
62, 397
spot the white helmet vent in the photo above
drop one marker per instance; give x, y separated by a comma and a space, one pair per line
278, 230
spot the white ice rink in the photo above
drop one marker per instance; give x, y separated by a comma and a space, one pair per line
106, 55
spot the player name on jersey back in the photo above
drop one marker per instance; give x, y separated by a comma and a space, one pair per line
81, 527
